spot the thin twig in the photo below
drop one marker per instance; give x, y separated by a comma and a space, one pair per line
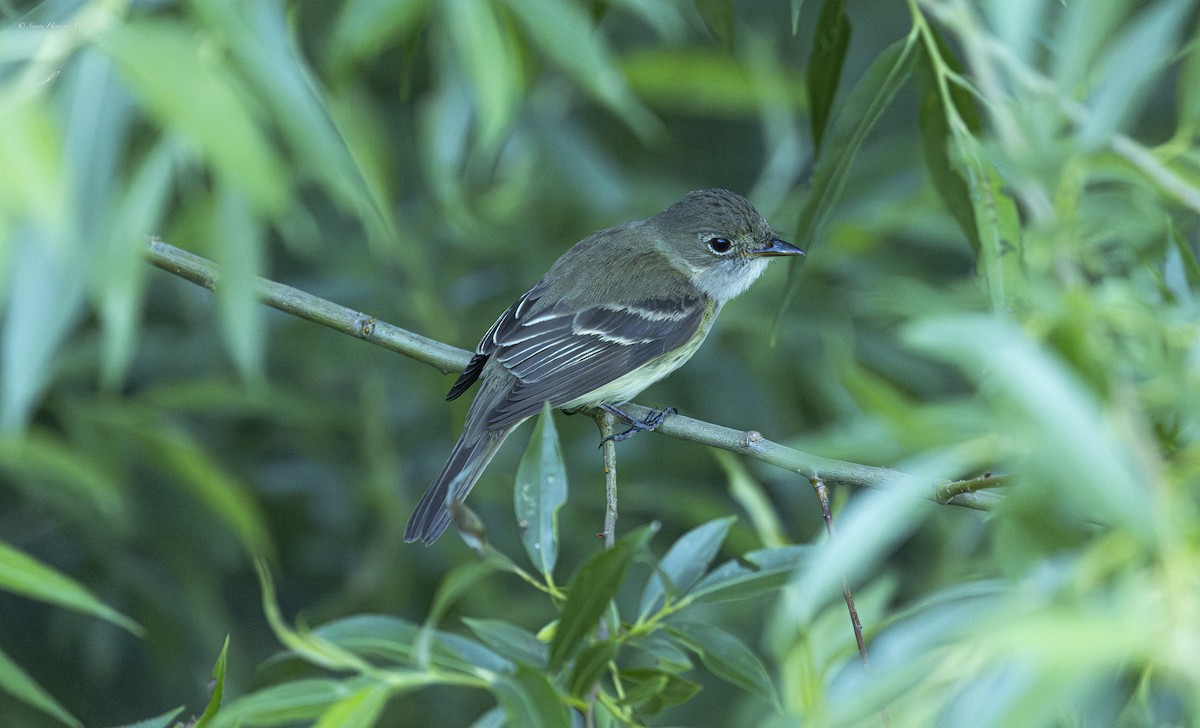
823, 496
604, 421
448, 358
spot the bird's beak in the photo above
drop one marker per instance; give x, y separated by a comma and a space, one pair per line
776, 247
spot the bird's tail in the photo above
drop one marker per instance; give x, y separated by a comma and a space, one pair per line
470, 456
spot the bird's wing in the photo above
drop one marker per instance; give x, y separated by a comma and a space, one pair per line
508, 321
559, 354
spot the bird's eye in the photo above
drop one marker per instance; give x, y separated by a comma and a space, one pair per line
720, 246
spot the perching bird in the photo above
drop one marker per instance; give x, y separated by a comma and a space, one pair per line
617, 312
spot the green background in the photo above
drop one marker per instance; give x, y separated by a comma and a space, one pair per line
999, 204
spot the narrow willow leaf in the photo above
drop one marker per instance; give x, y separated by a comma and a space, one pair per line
218, 689
866, 102
166, 720
797, 6
223, 495
749, 493
530, 700
590, 666
365, 27
684, 564
562, 31
663, 650
1052, 414
756, 573
830, 40
494, 718
510, 641
728, 658
486, 56
159, 58
288, 703
1140, 53
1188, 86
54, 465
395, 640
45, 300
122, 268
718, 16
261, 44
240, 255
595, 584
17, 683
1000, 236
541, 489
944, 168
650, 690
310, 646
24, 575
360, 709
1084, 29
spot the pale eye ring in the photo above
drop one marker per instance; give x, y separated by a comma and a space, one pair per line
720, 246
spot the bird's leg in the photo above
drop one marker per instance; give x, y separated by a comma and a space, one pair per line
650, 424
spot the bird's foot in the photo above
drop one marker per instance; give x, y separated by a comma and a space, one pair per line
649, 424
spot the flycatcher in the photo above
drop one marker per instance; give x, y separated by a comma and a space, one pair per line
617, 312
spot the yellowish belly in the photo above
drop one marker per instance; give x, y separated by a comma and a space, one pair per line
626, 387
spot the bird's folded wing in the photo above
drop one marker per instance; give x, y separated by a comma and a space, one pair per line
558, 355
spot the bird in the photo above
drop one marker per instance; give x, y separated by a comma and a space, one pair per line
618, 311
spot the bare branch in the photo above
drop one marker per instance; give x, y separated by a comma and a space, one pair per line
448, 358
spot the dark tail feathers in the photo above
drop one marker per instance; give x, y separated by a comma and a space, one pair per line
470, 456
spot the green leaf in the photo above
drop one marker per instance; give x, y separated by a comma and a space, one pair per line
240, 256
24, 575
218, 678
487, 57
395, 639
830, 40
590, 592
17, 683
165, 720
728, 658
750, 494
494, 718
797, 5
361, 709
945, 169
57, 466
756, 573
866, 102
649, 690
121, 269
530, 700
510, 640
159, 58
541, 489
664, 651
223, 495
1141, 52
290, 702
45, 300
366, 27
1188, 86
718, 17
1069, 438
684, 564
261, 42
590, 666
563, 32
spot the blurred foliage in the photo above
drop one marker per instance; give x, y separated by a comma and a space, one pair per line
999, 201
